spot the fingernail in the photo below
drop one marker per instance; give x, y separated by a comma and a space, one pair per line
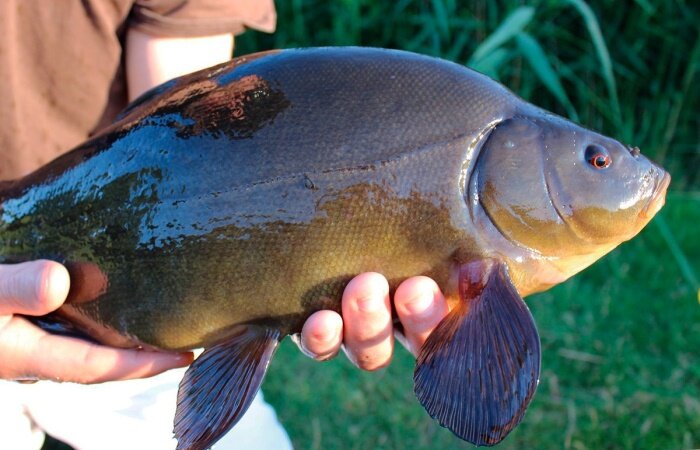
326, 357
59, 282
324, 336
50, 286
420, 303
296, 337
184, 358
369, 304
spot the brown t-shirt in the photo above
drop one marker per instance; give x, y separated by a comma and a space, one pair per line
61, 66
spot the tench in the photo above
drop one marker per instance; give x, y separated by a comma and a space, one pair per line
222, 208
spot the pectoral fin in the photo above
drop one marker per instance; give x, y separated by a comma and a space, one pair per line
220, 385
479, 369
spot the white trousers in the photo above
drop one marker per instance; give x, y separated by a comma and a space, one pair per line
134, 414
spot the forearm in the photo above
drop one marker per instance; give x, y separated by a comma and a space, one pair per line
152, 60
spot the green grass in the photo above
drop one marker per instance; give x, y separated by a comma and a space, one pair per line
621, 340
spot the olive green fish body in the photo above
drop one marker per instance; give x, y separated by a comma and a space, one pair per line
329, 167
224, 207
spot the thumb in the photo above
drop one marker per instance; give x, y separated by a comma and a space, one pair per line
33, 288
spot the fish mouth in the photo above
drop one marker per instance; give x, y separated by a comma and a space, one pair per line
658, 198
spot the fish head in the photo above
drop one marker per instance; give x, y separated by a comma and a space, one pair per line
565, 192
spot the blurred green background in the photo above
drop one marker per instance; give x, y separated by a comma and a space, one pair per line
621, 341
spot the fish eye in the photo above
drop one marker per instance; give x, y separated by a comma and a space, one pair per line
597, 156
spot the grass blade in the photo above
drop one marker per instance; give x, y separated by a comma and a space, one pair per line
490, 64
441, 20
458, 45
511, 25
678, 255
680, 97
535, 56
601, 49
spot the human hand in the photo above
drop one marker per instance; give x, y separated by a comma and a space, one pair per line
27, 352
366, 327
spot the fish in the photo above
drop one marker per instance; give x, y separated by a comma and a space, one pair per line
224, 207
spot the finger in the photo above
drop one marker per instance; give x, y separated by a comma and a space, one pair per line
33, 288
37, 354
420, 306
367, 338
322, 335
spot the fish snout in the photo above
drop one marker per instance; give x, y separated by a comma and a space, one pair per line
658, 196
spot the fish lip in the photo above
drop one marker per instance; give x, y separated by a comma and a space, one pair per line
657, 198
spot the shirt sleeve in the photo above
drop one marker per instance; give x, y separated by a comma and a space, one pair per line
187, 18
